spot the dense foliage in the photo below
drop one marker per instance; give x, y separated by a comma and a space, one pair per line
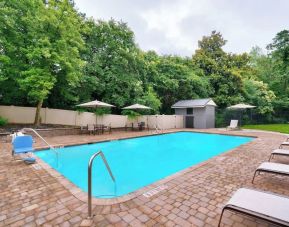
3, 121
52, 55
40, 47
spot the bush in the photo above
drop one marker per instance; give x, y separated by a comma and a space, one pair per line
131, 115
3, 121
220, 120
101, 111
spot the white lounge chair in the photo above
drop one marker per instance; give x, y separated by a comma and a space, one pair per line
284, 144
267, 206
281, 152
271, 167
233, 125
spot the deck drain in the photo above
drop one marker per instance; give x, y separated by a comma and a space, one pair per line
155, 191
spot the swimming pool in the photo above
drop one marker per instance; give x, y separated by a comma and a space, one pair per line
137, 162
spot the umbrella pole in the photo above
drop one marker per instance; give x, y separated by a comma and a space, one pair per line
156, 122
95, 116
241, 115
240, 118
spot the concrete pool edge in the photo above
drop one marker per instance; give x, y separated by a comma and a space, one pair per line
226, 133
82, 196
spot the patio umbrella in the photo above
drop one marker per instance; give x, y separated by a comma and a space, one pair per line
95, 104
137, 107
241, 107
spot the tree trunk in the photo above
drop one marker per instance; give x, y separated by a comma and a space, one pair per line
37, 114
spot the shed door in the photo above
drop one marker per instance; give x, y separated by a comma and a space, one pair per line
189, 122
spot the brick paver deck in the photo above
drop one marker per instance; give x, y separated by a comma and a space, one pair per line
33, 197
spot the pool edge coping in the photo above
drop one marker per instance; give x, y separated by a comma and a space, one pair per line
82, 195
147, 135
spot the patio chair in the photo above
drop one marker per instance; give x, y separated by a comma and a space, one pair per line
271, 167
128, 126
270, 207
23, 145
233, 125
141, 126
83, 129
281, 152
99, 129
91, 129
106, 128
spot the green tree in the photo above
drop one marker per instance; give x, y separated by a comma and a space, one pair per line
40, 45
151, 99
220, 68
272, 68
52, 55
113, 63
262, 66
279, 53
173, 78
258, 94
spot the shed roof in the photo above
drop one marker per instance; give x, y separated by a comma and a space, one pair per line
194, 103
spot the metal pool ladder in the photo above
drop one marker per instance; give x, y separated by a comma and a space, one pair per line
89, 177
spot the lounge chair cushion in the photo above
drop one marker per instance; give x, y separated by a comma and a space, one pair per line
280, 151
274, 167
262, 204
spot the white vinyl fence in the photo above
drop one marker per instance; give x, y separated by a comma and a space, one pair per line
25, 115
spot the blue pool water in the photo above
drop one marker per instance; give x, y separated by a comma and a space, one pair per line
137, 162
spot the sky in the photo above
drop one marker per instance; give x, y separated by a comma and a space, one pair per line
175, 26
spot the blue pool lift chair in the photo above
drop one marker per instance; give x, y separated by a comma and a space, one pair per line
23, 145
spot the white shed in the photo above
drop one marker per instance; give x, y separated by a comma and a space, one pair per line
199, 113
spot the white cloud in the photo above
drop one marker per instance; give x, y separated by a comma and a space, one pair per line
175, 26
167, 19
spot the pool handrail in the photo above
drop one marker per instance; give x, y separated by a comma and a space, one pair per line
89, 177
37, 134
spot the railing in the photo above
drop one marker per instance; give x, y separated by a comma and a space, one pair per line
89, 178
37, 134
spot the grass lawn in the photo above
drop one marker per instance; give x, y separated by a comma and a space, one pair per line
284, 128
